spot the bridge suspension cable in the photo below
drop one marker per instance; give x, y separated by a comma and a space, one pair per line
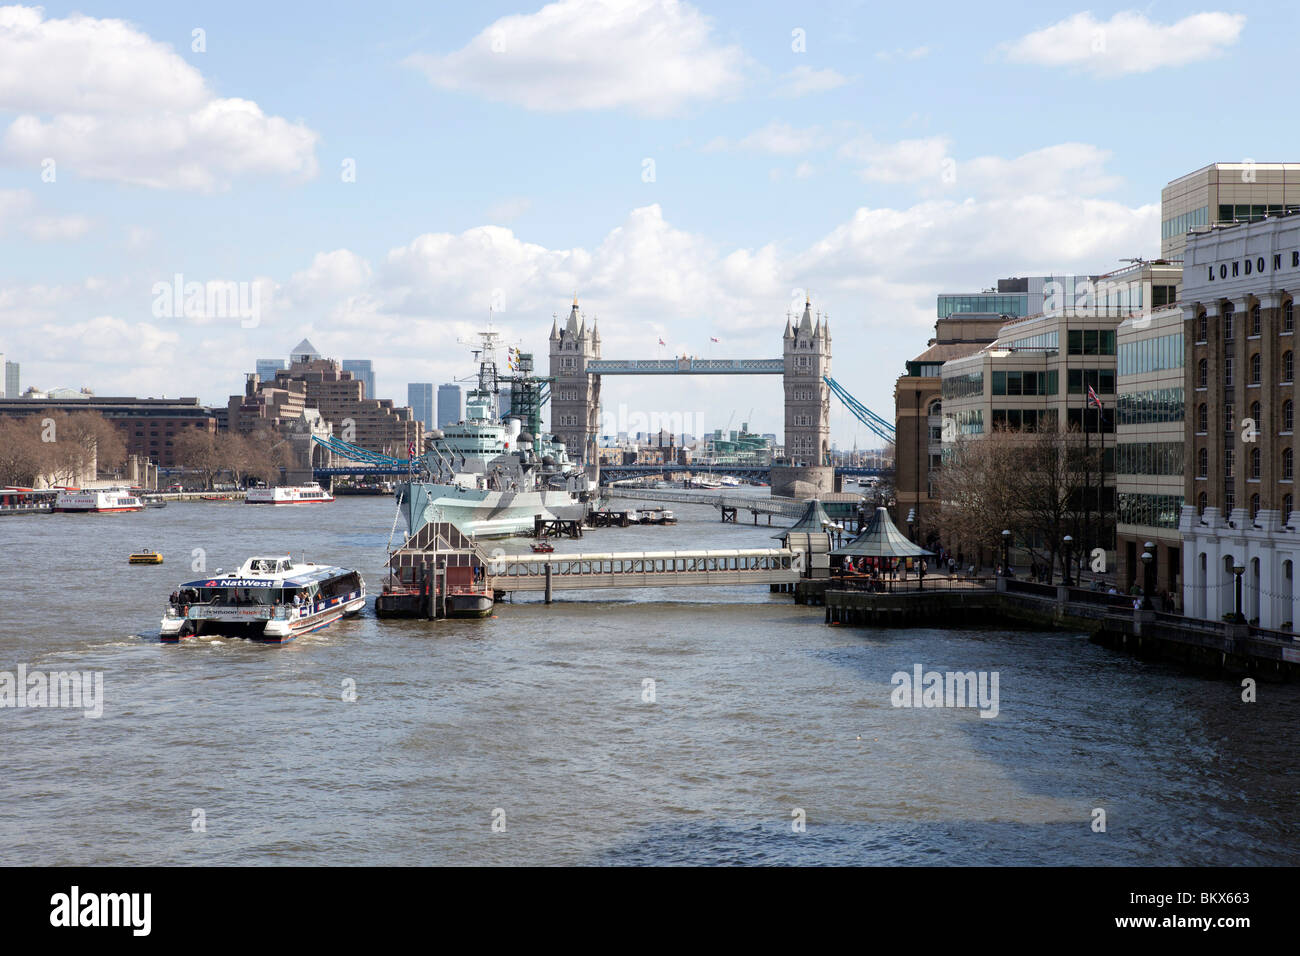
356, 453
882, 428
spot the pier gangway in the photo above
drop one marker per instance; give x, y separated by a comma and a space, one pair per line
642, 569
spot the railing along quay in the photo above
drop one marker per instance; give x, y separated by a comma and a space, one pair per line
1108, 619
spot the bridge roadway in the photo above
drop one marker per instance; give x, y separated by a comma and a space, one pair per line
758, 505
642, 569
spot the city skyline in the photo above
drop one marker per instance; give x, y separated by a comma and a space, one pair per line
352, 226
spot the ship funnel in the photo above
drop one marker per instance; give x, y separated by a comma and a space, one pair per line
513, 427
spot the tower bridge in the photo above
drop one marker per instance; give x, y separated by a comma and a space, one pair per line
805, 365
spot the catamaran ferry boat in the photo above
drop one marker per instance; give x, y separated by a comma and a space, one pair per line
99, 501
288, 495
268, 598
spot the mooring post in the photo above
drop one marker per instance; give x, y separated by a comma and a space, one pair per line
548, 582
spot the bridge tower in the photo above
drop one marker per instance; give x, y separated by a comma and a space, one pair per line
807, 469
575, 394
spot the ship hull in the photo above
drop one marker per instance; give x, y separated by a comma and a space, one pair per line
488, 514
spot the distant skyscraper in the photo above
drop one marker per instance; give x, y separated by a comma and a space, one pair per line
450, 406
4, 386
419, 395
363, 370
266, 368
11, 380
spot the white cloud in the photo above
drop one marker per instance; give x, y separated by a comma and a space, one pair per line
804, 171
876, 272
1065, 169
18, 212
1128, 42
105, 101
803, 80
778, 138
650, 56
330, 275
904, 161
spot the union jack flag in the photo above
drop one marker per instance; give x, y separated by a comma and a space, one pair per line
1093, 400
410, 449
712, 339
662, 342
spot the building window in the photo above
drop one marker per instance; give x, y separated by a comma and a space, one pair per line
1202, 418
1255, 369
1202, 373
1203, 462
1288, 464
1227, 416
1254, 507
1227, 371
1288, 318
1254, 413
1254, 319
1286, 509
1288, 415
1201, 501
1288, 366
1227, 322
1255, 457
1202, 327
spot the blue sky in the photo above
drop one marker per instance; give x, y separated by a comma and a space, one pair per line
881, 155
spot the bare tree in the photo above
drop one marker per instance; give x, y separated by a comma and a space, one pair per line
1031, 483
197, 450
22, 454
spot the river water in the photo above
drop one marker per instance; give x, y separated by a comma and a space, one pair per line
221, 751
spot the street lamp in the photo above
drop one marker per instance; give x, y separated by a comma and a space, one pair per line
911, 519
1069, 541
1150, 583
1238, 569
1006, 552
1147, 560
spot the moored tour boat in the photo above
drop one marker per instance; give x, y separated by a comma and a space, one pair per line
99, 501
268, 598
311, 493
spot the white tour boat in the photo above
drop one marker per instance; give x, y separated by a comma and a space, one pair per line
288, 495
268, 598
99, 501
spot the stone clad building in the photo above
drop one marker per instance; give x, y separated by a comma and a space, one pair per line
918, 412
807, 353
575, 395
1239, 487
320, 389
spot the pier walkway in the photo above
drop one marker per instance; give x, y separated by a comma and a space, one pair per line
642, 569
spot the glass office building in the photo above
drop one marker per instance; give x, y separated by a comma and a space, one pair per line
451, 406
419, 396
363, 370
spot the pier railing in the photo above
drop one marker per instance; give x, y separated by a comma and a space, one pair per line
634, 569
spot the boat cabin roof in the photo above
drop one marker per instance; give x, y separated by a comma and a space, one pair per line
264, 564
303, 576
